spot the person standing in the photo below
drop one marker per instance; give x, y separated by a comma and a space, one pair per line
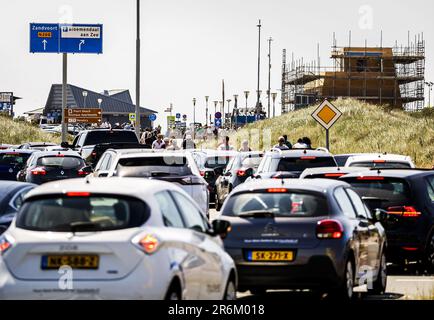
245, 146
188, 143
281, 144
287, 143
225, 145
159, 143
300, 144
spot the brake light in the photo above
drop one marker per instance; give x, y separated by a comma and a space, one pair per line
39, 172
371, 178
329, 229
404, 211
202, 173
78, 194
307, 158
277, 190
82, 173
93, 154
12, 153
241, 173
410, 248
379, 161
334, 175
60, 155
4, 245
149, 244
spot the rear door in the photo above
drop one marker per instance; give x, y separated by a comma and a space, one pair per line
60, 167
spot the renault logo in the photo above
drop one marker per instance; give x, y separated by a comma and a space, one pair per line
62, 173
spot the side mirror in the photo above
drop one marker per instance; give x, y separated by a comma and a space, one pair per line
87, 169
380, 215
65, 145
221, 228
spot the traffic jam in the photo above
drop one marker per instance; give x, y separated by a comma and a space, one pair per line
130, 222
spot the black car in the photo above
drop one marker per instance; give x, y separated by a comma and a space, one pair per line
304, 234
11, 198
211, 164
45, 166
241, 167
12, 161
407, 196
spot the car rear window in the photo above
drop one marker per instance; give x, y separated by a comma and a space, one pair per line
88, 213
388, 191
387, 164
252, 161
217, 161
153, 166
64, 162
341, 160
13, 158
97, 137
302, 163
283, 204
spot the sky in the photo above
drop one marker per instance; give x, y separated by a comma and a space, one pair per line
189, 46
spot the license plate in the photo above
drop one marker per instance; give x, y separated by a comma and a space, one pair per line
73, 261
270, 256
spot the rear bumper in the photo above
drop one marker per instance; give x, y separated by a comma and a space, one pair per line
139, 284
312, 268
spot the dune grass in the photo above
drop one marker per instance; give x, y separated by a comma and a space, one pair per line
17, 132
362, 128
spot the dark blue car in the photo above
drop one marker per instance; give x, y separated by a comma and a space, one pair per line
12, 161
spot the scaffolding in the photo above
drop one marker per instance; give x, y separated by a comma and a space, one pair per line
382, 75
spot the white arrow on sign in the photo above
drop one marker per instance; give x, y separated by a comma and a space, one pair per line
80, 44
44, 42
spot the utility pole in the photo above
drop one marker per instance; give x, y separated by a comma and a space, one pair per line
246, 95
259, 65
194, 118
64, 85
429, 84
274, 95
228, 117
269, 75
137, 126
206, 117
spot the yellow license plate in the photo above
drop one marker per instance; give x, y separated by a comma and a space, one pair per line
271, 255
73, 261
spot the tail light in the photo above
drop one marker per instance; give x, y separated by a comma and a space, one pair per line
60, 155
410, 248
277, 190
4, 245
241, 173
334, 175
82, 173
148, 244
379, 161
329, 229
371, 178
404, 211
307, 158
202, 173
39, 171
93, 154
78, 194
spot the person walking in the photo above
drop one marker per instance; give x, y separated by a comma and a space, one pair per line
281, 144
225, 145
188, 143
245, 146
159, 143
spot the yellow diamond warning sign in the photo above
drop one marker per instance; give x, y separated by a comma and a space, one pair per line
326, 114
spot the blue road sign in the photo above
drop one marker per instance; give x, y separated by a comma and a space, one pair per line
218, 115
80, 38
218, 122
178, 115
66, 38
152, 117
44, 37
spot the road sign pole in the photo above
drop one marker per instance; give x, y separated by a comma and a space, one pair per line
64, 84
137, 127
327, 139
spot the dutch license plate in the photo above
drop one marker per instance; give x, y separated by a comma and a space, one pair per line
73, 261
271, 256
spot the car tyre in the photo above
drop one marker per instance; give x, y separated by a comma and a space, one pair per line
230, 291
429, 256
345, 291
379, 286
174, 293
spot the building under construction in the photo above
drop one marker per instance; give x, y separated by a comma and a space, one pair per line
380, 75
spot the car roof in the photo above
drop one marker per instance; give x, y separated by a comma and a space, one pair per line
27, 151
378, 156
321, 170
40, 144
55, 153
319, 185
389, 173
212, 152
136, 187
155, 153
296, 153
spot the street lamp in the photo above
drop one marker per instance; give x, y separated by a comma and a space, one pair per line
194, 118
206, 119
246, 95
274, 95
258, 92
429, 84
235, 110
215, 107
84, 96
229, 112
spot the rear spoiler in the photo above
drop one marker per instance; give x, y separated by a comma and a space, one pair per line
406, 169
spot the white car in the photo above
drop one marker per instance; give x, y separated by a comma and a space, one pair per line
114, 238
177, 167
380, 160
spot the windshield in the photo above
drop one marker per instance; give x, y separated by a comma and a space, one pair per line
287, 204
64, 162
300, 164
70, 214
386, 164
153, 166
97, 137
13, 158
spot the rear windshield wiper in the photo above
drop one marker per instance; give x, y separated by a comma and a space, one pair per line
78, 226
257, 214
